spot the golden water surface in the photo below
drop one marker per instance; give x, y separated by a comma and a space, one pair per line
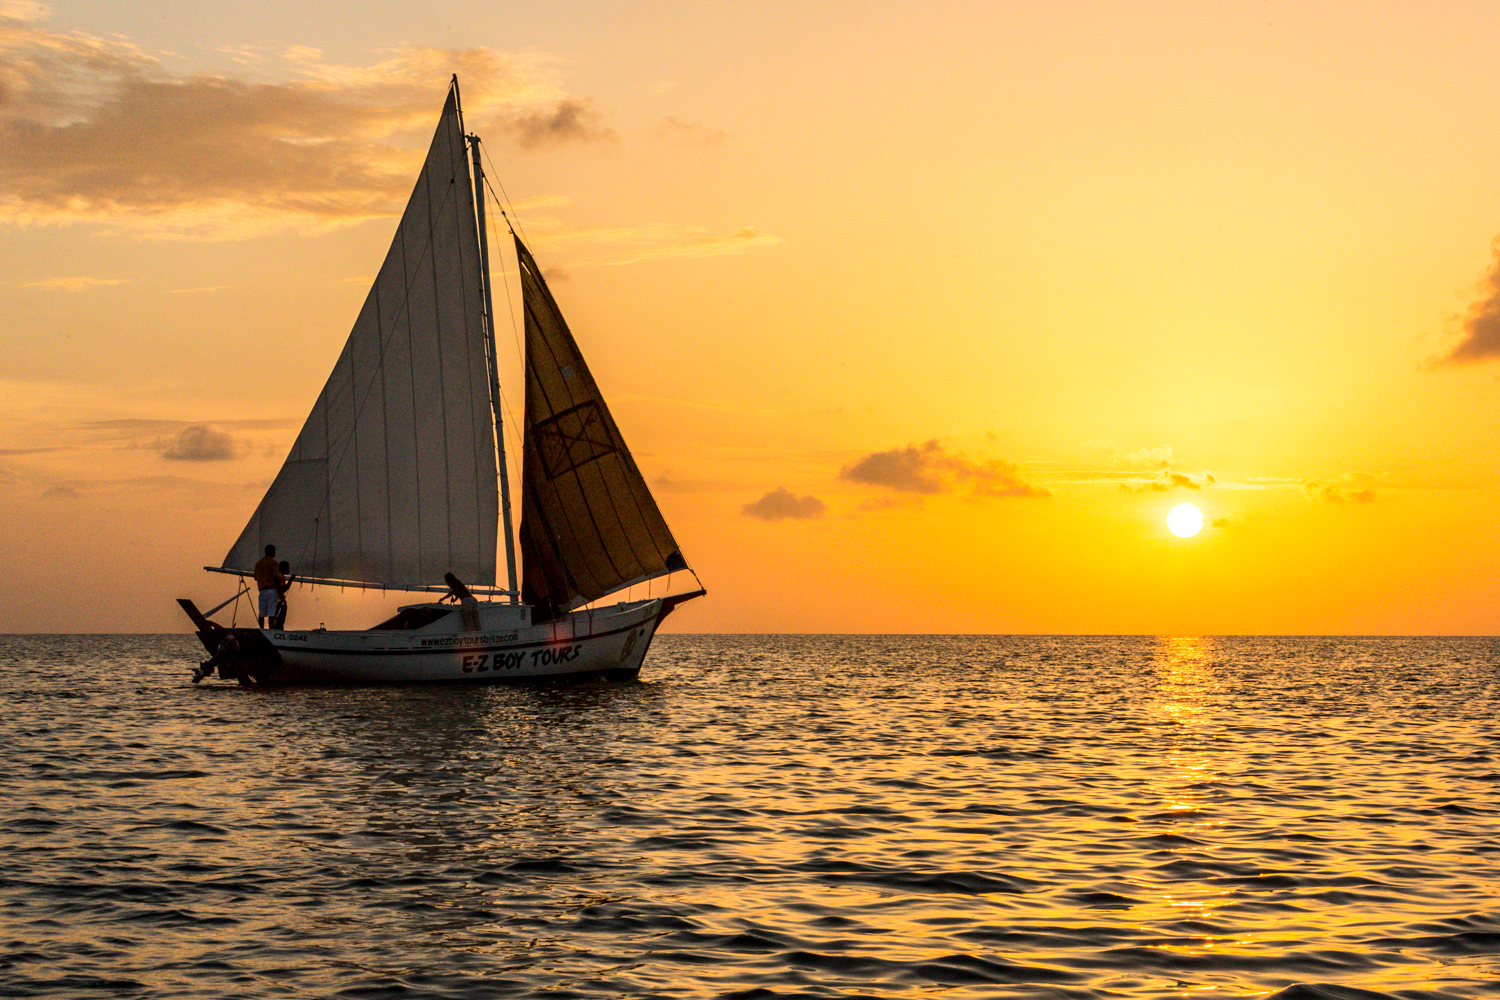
764, 816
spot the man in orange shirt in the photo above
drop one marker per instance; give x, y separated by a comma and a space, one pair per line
270, 581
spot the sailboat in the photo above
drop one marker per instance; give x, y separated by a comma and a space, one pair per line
398, 481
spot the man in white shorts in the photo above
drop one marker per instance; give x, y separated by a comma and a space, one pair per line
270, 581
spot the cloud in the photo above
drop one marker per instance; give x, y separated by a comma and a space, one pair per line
98, 130
1219, 522
781, 503
1166, 480
1336, 495
569, 120
199, 443
1350, 489
929, 470
136, 433
690, 135
73, 284
905, 470
1356, 487
1482, 327
61, 492
1159, 457
36, 426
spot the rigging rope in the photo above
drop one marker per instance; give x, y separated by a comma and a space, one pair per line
512, 205
510, 424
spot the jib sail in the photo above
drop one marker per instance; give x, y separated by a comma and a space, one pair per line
589, 524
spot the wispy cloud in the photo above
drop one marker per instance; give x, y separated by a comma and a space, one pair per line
928, 469
177, 440
77, 284
23, 11
1150, 457
96, 129
628, 245
669, 483
782, 504
1482, 326
690, 135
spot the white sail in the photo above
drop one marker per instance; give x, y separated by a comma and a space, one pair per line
391, 482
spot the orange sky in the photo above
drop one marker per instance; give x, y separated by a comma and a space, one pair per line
995, 285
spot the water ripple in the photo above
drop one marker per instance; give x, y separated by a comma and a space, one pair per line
767, 817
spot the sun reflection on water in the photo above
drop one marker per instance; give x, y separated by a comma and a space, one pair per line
1187, 783
1184, 674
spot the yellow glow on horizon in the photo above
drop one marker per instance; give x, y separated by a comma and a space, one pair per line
1185, 520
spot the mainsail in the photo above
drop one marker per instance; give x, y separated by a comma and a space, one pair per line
391, 482
589, 525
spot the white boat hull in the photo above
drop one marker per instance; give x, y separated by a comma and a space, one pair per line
610, 642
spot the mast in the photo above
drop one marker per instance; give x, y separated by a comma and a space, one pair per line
495, 403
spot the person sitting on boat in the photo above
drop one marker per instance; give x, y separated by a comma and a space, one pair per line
270, 581
287, 578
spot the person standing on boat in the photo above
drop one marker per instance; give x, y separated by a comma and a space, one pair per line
270, 581
287, 578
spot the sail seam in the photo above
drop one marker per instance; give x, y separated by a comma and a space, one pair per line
463, 290
327, 480
442, 374
411, 383
385, 429
359, 510
492, 372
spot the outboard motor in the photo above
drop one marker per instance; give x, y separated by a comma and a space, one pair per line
228, 651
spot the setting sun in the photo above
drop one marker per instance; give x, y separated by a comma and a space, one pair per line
1185, 520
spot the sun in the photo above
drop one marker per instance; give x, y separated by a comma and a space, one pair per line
1185, 520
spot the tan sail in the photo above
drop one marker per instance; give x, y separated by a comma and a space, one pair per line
589, 524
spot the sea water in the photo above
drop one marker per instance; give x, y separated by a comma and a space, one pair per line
768, 816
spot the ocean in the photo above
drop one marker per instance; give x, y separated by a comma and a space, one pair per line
763, 816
